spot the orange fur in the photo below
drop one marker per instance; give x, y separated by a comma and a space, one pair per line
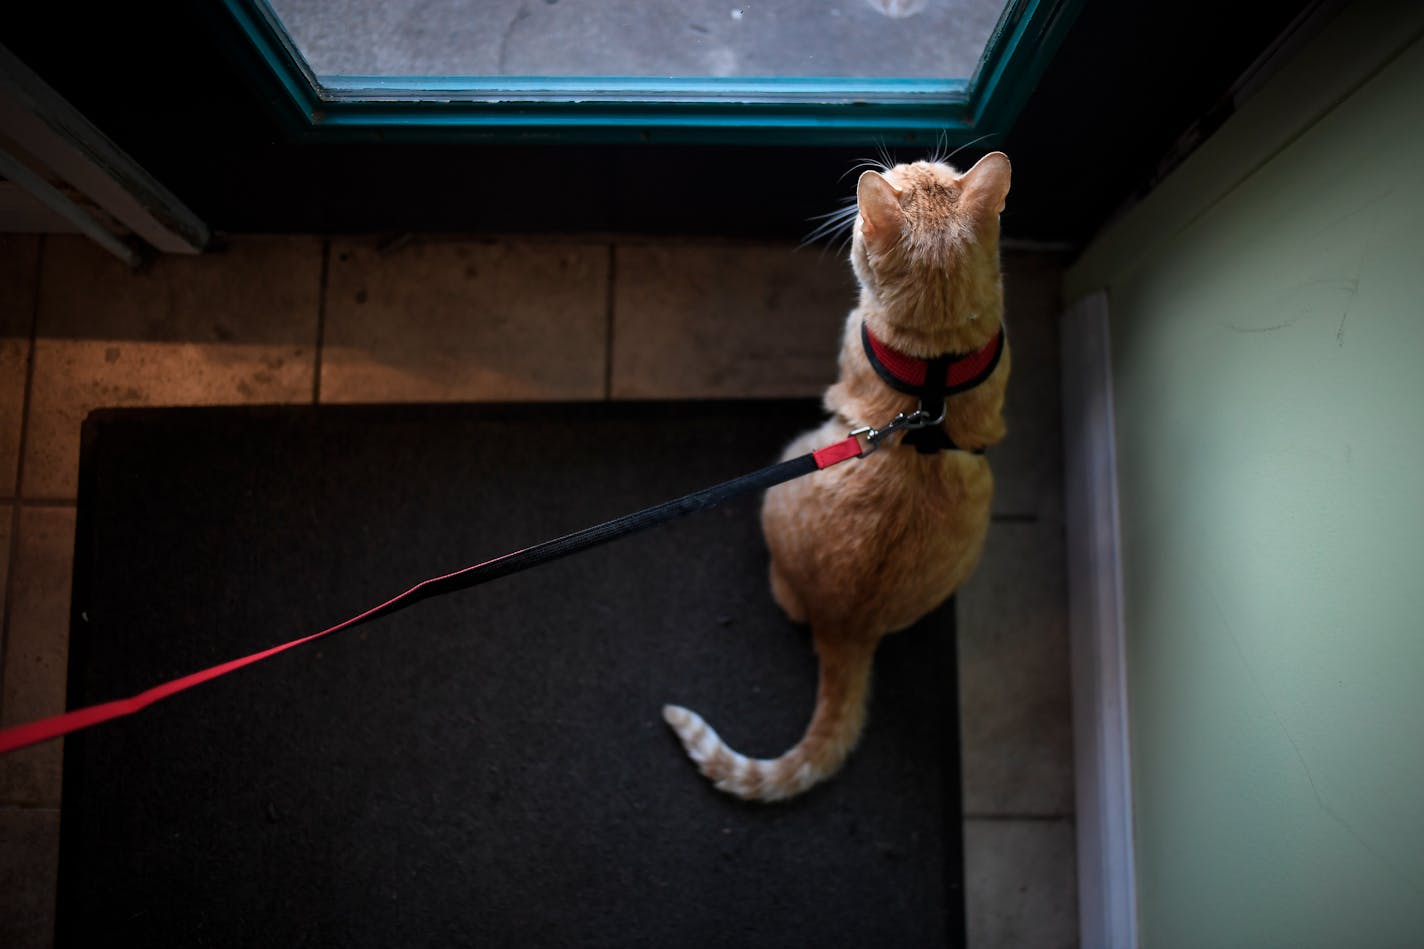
864, 549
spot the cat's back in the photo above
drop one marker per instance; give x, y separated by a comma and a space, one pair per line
889, 536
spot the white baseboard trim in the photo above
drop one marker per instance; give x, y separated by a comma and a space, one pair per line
1106, 881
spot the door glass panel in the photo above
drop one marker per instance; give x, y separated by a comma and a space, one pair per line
641, 38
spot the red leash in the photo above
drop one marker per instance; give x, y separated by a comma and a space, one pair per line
20, 736
859, 443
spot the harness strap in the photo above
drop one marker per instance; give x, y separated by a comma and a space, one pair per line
933, 438
911, 374
932, 380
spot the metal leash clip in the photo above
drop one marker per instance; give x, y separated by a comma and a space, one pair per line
869, 438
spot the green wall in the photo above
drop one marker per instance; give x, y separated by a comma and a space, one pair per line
1267, 314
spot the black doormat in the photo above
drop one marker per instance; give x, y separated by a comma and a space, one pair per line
488, 768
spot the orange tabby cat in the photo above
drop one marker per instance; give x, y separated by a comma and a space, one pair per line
862, 550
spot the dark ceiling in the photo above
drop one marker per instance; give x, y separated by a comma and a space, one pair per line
1129, 80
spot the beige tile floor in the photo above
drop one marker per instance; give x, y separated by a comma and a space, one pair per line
352, 319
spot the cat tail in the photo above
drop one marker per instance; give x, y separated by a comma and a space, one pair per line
834, 729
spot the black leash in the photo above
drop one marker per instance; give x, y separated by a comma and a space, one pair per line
599, 534
856, 445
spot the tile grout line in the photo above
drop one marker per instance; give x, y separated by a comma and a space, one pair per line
14, 552
610, 297
321, 319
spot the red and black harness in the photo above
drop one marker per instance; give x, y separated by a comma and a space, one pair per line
932, 380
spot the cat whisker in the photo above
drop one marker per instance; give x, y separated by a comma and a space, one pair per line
886, 159
968, 144
846, 205
837, 223
937, 154
865, 164
837, 249
881, 163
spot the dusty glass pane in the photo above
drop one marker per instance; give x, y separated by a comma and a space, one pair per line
641, 38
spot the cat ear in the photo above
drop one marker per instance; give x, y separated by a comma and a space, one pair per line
986, 185
880, 216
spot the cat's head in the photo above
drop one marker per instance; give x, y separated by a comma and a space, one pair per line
926, 241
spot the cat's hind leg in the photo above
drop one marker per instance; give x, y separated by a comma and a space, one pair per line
785, 596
